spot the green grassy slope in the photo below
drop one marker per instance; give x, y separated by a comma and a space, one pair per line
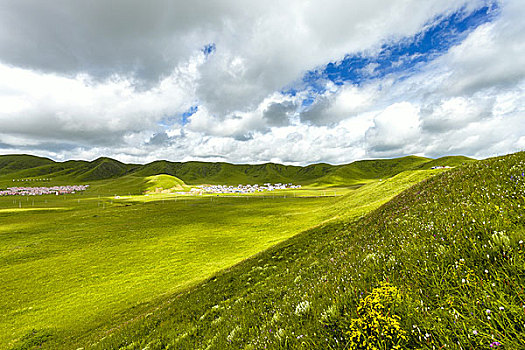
225, 173
22, 167
451, 161
164, 182
74, 266
71, 264
360, 202
103, 168
363, 170
13, 163
75, 171
439, 266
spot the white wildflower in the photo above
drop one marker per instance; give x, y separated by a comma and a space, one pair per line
302, 308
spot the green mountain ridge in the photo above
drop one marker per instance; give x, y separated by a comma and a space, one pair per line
321, 174
14, 163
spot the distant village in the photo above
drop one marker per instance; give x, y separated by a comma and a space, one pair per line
38, 191
240, 189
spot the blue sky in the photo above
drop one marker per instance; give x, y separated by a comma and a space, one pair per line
402, 57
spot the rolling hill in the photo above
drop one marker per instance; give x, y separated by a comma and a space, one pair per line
164, 182
434, 259
106, 259
74, 171
15, 163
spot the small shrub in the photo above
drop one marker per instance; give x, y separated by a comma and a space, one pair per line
35, 338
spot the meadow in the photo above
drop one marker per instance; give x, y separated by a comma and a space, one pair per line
75, 261
439, 266
74, 266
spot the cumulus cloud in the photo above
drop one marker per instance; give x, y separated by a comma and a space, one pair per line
130, 38
337, 104
455, 113
395, 129
78, 109
260, 46
81, 80
278, 113
275, 110
491, 57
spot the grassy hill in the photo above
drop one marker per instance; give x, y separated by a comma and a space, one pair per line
363, 170
90, 270
441, 265
14, 163
102, 168
451, 161
73, 171
360, 172
164, 182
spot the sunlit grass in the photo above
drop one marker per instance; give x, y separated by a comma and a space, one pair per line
440, 266
76, 275
95, 260
21, 210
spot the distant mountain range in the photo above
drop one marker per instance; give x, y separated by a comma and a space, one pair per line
322, 174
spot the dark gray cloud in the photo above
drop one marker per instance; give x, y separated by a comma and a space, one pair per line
53, 147
317, 113
277, 114
126, 37
159, 139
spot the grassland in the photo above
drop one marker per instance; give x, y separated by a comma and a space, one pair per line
163, 182
76, 262
75, 266
92, 270
440, 266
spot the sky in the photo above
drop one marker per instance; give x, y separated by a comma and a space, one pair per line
293, 82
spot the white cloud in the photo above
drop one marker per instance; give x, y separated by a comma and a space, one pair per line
49, 107
118, 88
456, 112
338, 104
396, 130
492, 56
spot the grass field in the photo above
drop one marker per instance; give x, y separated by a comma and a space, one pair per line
74, 263
440, 266
74, 266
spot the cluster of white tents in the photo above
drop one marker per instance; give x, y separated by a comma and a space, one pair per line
38, 191
243, 189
